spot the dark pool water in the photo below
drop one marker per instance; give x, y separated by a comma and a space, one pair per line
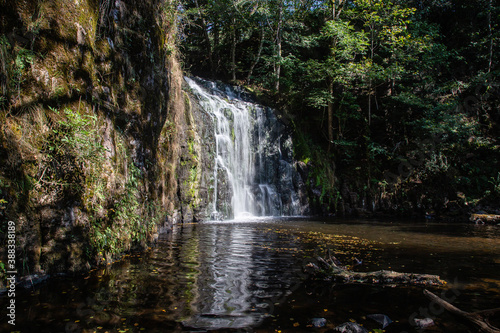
248, 276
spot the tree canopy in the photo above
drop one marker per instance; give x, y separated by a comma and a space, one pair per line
389, 97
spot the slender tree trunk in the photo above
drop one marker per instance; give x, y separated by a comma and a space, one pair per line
336, 10
257, 58
278, 48
337, 6
490, 35
204, 26
479, 318
233, 50
330, 117
370, 103
278, 66
216, 56
372, 51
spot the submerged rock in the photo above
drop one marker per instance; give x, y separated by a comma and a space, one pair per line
30, 281
424, 323
381, 319
349, 327
318, 322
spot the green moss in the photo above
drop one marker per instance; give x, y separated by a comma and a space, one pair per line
88, 19
55, 157
191, 149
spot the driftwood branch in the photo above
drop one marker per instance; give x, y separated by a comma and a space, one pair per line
484, 218
479, 318
331, 270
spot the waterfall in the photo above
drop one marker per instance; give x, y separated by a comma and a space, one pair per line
253, 173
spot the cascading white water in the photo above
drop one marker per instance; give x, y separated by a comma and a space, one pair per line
248, 160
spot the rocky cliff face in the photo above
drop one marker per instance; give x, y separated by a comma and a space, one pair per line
92, 127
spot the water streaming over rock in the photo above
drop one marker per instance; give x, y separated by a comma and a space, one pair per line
254, 172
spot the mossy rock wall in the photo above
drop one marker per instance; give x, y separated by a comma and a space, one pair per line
92, 128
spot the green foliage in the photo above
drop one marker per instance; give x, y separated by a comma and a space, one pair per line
24, 59
76, 139
3, 202
130, 221
496, 183
3, 274
347, 42
127, 209
78, 133
322, 175
373, 82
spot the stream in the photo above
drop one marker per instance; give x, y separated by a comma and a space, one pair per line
246, 275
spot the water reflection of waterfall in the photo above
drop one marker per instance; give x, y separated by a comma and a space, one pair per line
239, 283
225, 266
253, 169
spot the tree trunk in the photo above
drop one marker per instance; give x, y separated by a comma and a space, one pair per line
372, 51
233, 50
277, 67
336, 10
490, 35
216, 55
330, 116
207, 38
337, 6
257, 58
331, 271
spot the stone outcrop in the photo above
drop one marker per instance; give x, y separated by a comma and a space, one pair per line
90, 152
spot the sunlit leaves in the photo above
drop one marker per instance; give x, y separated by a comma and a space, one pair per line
347, 43
313, 243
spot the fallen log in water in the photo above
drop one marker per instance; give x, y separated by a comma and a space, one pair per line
480, 318
330, 270
484, 218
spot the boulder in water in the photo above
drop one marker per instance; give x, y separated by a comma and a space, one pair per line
318, 322
350, 328
424, 323
381, 319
